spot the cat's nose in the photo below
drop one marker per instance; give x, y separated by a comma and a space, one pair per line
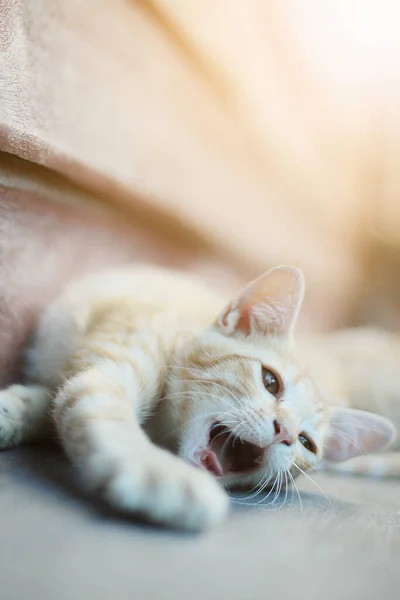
282, 434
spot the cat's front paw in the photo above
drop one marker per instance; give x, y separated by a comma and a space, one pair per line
164, 489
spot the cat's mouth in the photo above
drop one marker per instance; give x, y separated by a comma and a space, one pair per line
227, 453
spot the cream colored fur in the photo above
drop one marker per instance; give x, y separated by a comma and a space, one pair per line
135, 365
360, 368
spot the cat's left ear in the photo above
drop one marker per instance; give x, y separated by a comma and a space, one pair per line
356, 432
269, 305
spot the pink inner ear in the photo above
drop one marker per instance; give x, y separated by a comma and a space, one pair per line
268, 305
355, 432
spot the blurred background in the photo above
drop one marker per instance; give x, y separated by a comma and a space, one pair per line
219, 136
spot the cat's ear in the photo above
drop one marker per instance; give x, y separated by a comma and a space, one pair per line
269, 305
356, 432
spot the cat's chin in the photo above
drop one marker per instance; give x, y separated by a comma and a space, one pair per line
227, 455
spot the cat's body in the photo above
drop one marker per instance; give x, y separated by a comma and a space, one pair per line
138, 353
359, 368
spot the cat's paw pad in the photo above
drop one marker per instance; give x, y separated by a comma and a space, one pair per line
167, 490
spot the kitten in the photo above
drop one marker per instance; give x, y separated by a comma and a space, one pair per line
141, 354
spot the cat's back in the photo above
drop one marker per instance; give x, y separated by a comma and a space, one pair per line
156, 288
131, 297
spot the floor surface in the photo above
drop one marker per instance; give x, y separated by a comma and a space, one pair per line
55, 545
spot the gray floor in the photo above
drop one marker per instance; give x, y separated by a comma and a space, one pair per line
56, 545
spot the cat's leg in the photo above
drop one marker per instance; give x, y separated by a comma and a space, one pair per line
98, 414
23, 414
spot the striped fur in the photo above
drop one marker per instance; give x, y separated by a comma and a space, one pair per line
133, 364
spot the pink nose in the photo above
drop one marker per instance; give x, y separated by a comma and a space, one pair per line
282, 434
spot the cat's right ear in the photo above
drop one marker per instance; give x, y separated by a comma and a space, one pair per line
269, 305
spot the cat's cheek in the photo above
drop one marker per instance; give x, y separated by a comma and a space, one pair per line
307, 461
279, 458
194, 442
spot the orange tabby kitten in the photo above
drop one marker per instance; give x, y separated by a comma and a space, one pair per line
140, 358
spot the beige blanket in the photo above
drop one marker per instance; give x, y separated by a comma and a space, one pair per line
267, 129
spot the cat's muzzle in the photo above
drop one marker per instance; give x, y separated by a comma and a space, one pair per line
227, 453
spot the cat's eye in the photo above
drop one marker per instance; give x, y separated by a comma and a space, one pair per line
307, 443
271, 381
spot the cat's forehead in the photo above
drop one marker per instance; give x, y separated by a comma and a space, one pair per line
240, 360
245, 356
271, 352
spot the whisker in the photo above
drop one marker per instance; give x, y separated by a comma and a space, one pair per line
290, 484
232, 433
204, 380
207, 416
349, 439
262, 500
358, 426
296, 488
316, 485
286, 489
190, 393
277, 489
210, 416
224, 432
260, 487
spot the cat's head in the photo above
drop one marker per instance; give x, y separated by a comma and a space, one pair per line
244, 404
